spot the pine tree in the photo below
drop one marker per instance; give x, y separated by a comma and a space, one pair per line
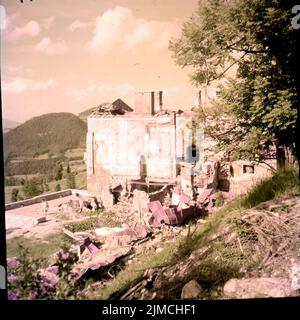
59, 172
71, 183
68, 168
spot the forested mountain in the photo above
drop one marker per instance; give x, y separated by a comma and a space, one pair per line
50, 133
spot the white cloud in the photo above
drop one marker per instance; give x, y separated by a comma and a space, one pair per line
48, 22
51, 48
20, 85
103, 92
119, 27
30, 29
9, 23
77, 24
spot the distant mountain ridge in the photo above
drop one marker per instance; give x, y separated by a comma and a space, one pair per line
49, 133
9, 124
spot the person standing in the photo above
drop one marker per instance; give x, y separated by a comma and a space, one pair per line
81, 202
45, 206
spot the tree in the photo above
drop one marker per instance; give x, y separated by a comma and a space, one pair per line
68, 170
58, 187
32, 188
71, 183
257, 109
14, 194
59, 172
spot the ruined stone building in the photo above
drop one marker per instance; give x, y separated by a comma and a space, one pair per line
153, 146
149, 145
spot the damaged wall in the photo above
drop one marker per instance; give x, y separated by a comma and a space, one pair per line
134, 147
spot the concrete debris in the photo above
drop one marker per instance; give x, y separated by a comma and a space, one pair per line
41, 219
130, 234
159, 215
140, 201
207, 199
173, 215
100, 258
117, 243
191, 290
257, 288
104, 231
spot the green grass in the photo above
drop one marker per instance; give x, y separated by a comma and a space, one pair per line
102, 219
221, 262
37, 248
284, 182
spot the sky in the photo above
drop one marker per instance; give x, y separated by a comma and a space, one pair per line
72, 55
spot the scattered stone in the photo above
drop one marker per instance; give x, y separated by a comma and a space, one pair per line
257, 288
191, 290
41, 220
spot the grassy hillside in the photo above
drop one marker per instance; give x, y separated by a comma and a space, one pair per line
50, 133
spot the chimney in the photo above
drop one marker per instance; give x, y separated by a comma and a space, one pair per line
148, 102
158, 101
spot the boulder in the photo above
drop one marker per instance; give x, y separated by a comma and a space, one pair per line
191, 290
257, 288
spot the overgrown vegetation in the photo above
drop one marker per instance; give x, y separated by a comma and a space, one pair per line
37, 249
42, 166
250, 46
29, 279
234, 241
133, 272
103, 219
285, 181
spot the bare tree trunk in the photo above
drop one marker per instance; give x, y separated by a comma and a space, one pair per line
280, 156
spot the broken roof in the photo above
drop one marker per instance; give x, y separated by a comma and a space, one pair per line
118, 107
120, 104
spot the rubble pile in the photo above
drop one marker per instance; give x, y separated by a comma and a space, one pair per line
118, 107
102, 246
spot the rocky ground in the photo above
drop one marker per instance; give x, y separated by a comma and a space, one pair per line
233, 254
256, 253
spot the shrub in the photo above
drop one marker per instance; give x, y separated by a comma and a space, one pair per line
14, 195
87, 224
28, 279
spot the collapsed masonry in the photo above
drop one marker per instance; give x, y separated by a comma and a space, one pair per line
150, 148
